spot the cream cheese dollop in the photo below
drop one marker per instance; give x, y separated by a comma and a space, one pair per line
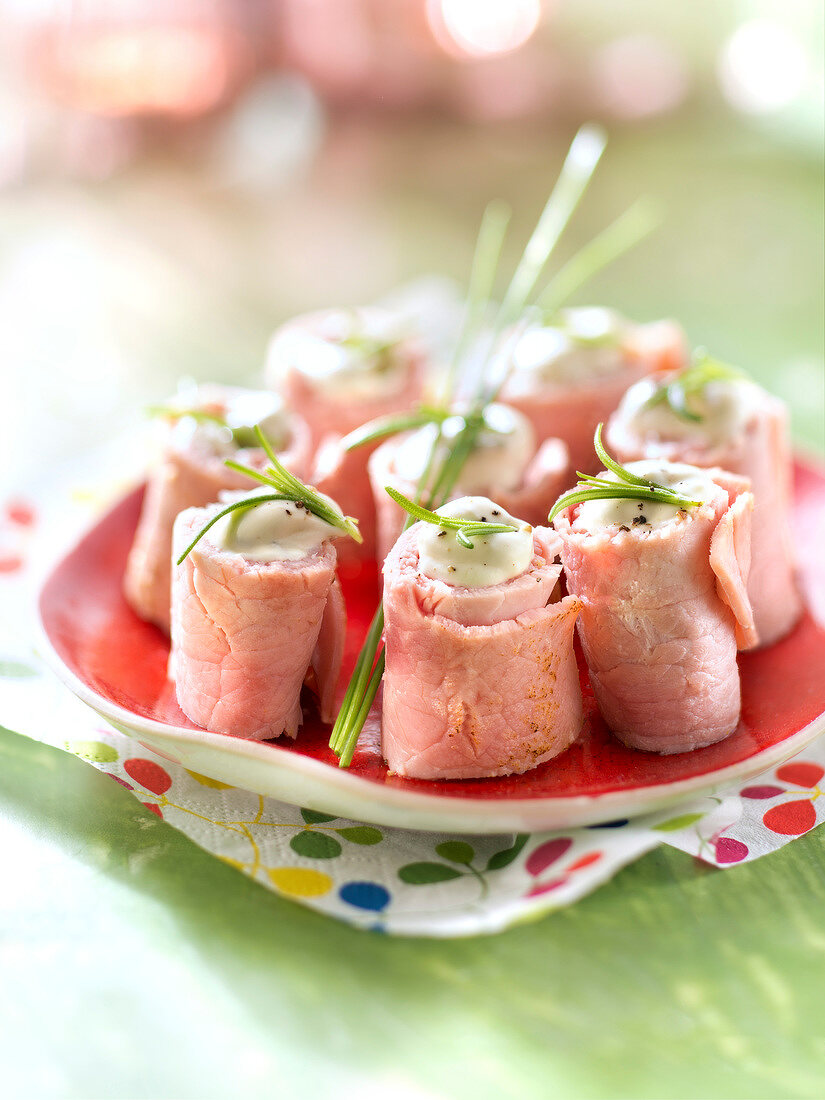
349, 352
725, 406
502, 452
688, 481
278, 530
585, 344
493, 558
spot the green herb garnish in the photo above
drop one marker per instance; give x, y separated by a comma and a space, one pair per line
173, 413
440, 477
691, 381
384, 426
465, 529
629, 486
287, 487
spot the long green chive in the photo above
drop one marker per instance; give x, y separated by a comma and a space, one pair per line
703, 369
619, 237
579, 165
384, 426
629, 486
465, 528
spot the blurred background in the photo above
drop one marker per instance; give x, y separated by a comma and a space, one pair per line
178, 176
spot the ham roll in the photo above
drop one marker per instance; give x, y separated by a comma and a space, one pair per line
340, 368
738, 426
250, 628
664, 606
192, 473
480, 678
504, 464
569, 376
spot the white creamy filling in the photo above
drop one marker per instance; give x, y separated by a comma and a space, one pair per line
242, 410
688, 481
503, 449
493, 558
725, 407
585, 345
279, 530
353, 353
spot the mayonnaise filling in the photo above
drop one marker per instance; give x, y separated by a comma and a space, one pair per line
724, 408
492, 559
630, 514
502, 451
352, 353
585, 344
278, 530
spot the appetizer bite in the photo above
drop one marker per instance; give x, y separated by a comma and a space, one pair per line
711, 414
503, 462
341, 368
480, 675
567, 373
256, 608
206, 426
658, 555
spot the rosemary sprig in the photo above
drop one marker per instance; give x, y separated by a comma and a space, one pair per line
173, 413
384, 426
628, 487
287, 487
579, 165
692, 380
465, 529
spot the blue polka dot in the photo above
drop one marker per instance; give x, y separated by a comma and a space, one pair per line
365, 895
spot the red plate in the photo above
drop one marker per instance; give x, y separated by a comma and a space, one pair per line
117, 664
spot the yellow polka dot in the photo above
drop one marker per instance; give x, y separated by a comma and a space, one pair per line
301, 882
205, 780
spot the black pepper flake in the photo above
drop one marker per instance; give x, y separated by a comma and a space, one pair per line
451, 569
640, 505
287, 511
637, 520
299, 504
483, 519
496, 512
624, 527
441, 534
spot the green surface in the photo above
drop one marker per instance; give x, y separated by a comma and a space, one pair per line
135, 965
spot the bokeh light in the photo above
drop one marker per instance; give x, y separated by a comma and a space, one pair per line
763, 67
483, 28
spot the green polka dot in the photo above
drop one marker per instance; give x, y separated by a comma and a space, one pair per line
97, 752
315, 845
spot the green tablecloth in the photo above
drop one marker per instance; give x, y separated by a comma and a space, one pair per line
136, 965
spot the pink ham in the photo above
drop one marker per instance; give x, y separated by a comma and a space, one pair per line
478, 682
759, 452
572, 412
343, 476
544, 480
245, 633
662, 610
326, 409
191, 474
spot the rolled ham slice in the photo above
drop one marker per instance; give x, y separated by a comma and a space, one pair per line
663, 610
334, 406
246, 634
478, 682
757, 449
571, 411
191, 474
544, 480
